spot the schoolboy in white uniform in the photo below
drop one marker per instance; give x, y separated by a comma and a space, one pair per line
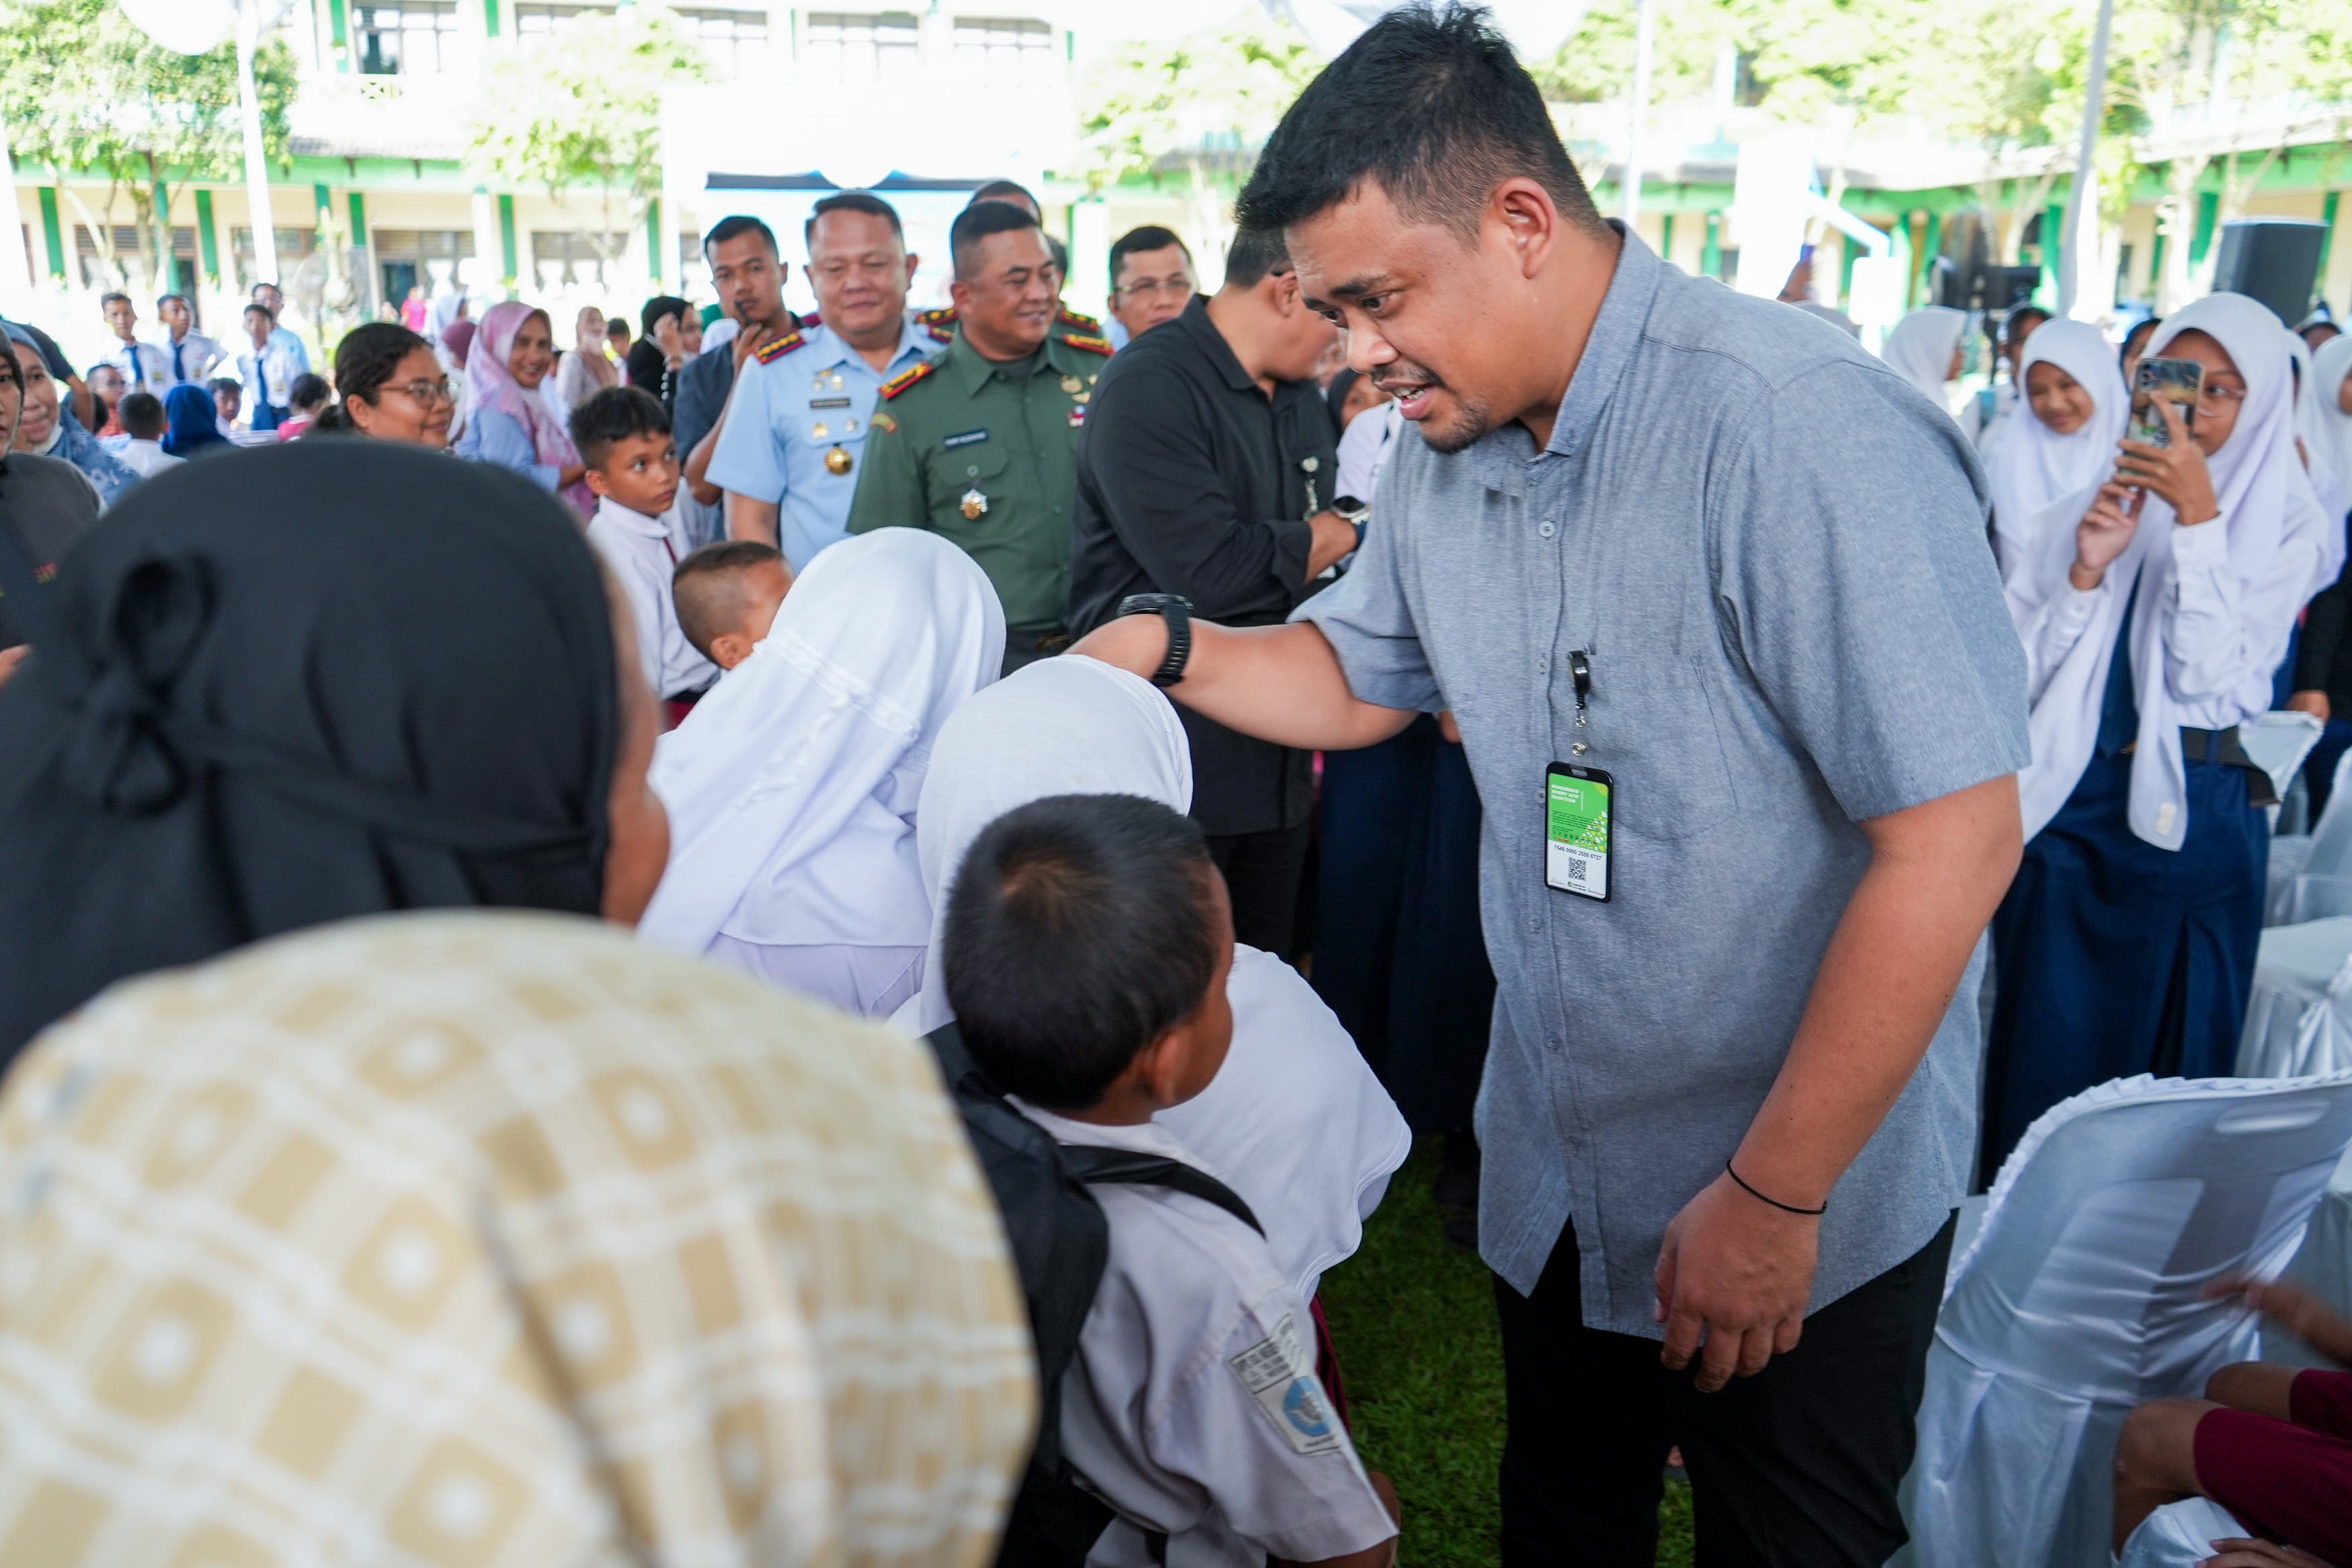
1087, 942
623, 434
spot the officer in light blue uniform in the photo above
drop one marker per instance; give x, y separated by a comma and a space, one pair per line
796, 430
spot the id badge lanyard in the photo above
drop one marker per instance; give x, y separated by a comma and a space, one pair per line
1579, 806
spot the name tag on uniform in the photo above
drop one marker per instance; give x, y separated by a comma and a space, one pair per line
1279, 1374
828, 402
964, 439
1576, 803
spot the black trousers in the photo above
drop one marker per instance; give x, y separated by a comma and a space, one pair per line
1263, 872
1794, 1467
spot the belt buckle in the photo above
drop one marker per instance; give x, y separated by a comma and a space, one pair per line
1052, 642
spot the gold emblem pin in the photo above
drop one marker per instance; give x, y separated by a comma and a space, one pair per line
1071, 384
975, 505
836, 461
822, 430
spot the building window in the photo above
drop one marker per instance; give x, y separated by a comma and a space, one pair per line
538, 19
128, 237
294, 245
415, 37
1747, 88
559, 257
863, 50
422, 258
1004, 51
735, 42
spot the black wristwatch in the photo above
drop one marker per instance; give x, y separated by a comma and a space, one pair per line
1176, 611
1350, 510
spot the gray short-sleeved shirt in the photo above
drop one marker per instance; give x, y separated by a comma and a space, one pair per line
1773, 550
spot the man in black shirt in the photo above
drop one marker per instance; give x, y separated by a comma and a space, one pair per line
1205, 470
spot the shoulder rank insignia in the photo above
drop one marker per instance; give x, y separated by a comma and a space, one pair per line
1089, 342
1078, 322
811, 321
883, 422
939, 316
941, 335
769, 353
907, 377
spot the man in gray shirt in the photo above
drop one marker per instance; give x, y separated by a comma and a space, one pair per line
1665, 538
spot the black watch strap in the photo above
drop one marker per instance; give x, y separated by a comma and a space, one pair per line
1176, 611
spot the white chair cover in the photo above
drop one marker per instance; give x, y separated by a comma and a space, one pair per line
2326, 852
2083, 1296
2278, 741
2180, 1535
2299, 1016
2323, 1265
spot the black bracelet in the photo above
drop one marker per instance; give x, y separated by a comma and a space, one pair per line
1759, 1197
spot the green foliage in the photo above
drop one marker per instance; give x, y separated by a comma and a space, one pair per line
88, 91
1206, 100
1596, 63
583, 107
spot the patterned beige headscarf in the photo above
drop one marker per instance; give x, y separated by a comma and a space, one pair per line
490, 1240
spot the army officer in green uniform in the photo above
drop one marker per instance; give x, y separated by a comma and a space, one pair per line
980, 444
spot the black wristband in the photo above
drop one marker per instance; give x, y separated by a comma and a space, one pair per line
1175, 612
1759, 1197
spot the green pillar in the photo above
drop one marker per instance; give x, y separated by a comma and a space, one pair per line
1929, 244
358, 220
1899, 246
490, 18
1666, 236
2208, 211
2156, 265
1710, 255
339, 33
2054, 241
506, 243
207, 240
53, 231
654, 238
322, 213
2326, 237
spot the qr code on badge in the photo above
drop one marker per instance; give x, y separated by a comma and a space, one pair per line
1578, 871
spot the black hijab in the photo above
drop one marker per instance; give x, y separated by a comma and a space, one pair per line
294, 685
648, 366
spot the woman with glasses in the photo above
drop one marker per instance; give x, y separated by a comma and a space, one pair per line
392, 387
2152, 630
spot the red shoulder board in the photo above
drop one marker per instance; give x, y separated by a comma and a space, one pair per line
1088, 342
811, 321
1078, 321
906, 378
770, 353
939, 316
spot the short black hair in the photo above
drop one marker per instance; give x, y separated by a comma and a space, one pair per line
1079, 929
140, 415
708, 591
265, 283
110, 296
1149, 236
1430, 102
613, 416
736, 228
997, 190
976, 223
221, 384
368, 355
258, 308
1255, 252
615, 325
163, 300
2137, 334
310, 391
864, 202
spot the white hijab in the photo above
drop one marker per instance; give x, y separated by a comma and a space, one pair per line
2329, 434
791, 787
2276, 542
2326, 475
2033, 465
1295, 1122
1920, 348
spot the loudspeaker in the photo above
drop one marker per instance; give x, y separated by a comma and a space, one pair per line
2274, 259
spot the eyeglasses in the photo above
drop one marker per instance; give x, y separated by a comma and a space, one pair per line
1177, 285
2214, 399
430, 392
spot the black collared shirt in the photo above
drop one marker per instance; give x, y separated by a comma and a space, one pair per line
1192, 482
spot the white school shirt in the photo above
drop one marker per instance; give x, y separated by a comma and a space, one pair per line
144, 367
194, 360
1192, 1406
145, 458
642, 553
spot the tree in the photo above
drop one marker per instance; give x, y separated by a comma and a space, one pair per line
89, 93
1200, 106
583, 107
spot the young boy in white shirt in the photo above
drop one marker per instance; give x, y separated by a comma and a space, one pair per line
727, 595
1087, 945
623, 434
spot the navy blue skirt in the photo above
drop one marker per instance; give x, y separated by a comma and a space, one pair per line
1398, 953
2113, 957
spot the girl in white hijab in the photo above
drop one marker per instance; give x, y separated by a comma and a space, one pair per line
1924, 348
2063, 442
792, 786
1294, 1121
2152, 630
2327, 475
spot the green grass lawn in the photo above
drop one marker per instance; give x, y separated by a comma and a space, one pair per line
1414, 1321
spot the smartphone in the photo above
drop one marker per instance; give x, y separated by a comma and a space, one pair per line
1577, 803
2179, 380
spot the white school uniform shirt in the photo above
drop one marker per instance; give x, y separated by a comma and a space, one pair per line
1364, 448
145, 458
1296, 1122
2214, 605
791, 787
1192, 1406
193, 360
144, 367
642, 554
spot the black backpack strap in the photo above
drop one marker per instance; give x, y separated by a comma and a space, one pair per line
1092, 1163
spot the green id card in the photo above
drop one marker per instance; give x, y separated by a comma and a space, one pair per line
1576, 830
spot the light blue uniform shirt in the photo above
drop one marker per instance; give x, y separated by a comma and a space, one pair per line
788, 414
1772, 549
495, 437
